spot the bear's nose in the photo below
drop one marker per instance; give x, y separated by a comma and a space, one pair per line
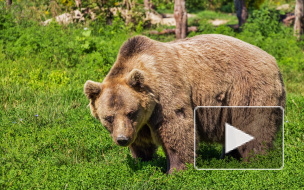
122, 140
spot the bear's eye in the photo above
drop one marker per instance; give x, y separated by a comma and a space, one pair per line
132, 115
109, 119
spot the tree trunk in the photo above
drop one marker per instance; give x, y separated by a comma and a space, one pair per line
78, 3
241, 11
298, 24
9, 2
180, 15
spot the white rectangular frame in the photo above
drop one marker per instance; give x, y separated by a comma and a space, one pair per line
194, 118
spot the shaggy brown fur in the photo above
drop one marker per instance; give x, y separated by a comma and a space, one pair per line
148, 97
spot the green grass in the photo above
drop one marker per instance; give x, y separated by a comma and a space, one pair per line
48, 138
211, 15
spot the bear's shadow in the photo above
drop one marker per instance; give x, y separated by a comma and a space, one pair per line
158, 161
205, 152
209, 151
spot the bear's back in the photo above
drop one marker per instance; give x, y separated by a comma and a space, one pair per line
218, 64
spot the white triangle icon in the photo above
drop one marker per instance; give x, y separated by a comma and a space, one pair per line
235, 138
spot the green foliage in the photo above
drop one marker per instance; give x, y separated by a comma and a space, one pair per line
163, 5
223, 5
215, 5
198, 5
264, 21
254, 4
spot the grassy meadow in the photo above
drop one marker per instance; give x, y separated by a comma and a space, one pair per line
48, 138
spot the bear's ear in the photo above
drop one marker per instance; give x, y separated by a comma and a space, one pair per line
136, 79
92, 89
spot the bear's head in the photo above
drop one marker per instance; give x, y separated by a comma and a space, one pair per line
122, 105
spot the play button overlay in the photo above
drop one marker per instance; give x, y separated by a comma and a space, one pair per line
235, 138
238, 138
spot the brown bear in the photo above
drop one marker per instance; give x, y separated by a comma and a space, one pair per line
149, 96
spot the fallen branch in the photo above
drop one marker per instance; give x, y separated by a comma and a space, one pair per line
172, 31
288, 20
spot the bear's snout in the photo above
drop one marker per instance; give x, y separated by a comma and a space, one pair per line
122, 140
